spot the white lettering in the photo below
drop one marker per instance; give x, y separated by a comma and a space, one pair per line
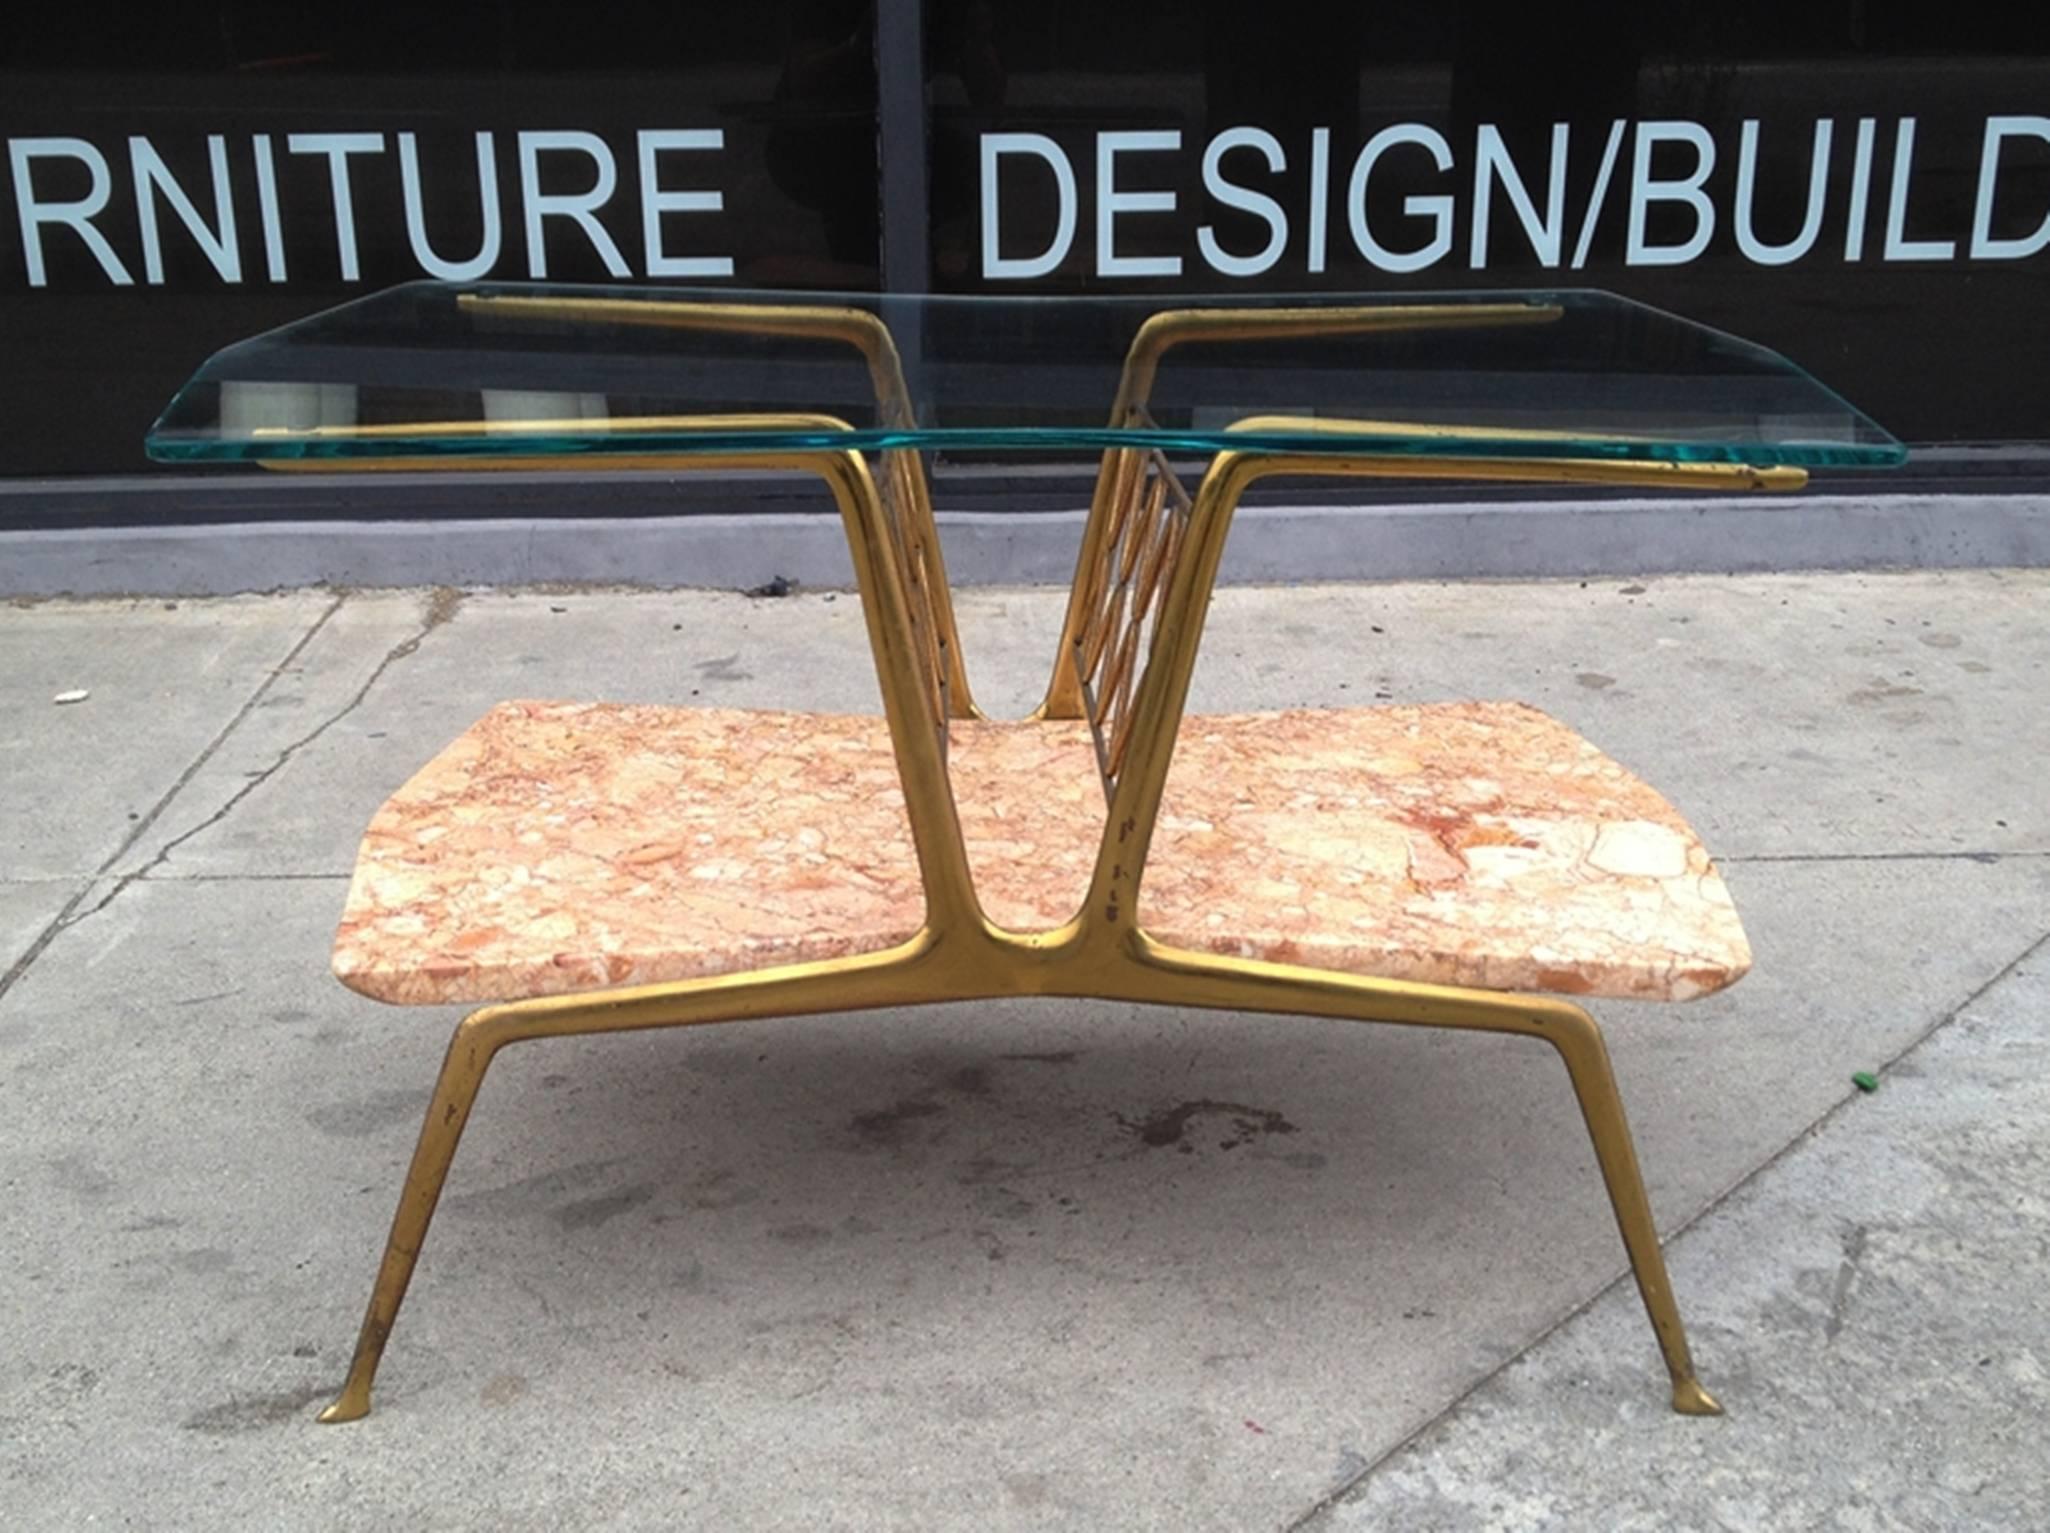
1110, 202
1984, 246
1861, 190
1491, 163
1244, 199
77, 216
153, 179
578, 207
1644, 191
1436, 208
488, 241
1898, 246
267, 207
1604, 173
1320, 197
1010, 268
1747, 179
655, 202
338, 147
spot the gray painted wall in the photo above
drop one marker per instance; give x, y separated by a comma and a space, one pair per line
1448, 540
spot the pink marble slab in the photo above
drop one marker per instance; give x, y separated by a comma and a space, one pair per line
1477, 844
558, 847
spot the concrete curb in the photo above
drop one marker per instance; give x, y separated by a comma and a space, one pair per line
1481, 540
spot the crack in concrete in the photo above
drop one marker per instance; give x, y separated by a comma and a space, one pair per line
66, 917
1319, 1512
1846, 1275
253, 878
442, 605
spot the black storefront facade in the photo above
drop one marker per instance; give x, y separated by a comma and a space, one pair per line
1864, 186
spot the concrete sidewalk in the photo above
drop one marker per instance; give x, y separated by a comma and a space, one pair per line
925, 1269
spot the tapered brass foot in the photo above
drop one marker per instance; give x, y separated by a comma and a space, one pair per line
1243, 985
352, 1404
1690, 1399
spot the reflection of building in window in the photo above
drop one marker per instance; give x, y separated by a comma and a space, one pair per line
821, 151
961, 56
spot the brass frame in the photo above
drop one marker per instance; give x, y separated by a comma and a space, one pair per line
1103, 951
906, 497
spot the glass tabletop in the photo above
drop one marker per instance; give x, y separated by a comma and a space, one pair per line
517, 371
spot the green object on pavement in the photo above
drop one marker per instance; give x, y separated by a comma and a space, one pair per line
1865, 1080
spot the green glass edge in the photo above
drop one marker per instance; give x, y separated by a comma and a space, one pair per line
172, 447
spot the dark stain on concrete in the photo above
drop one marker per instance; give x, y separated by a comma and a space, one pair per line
723, 668
530, 1194
202, 1260
978, 1169
79, 1176
1028, 1489
692, 1278
1169, 1126
1881, 691
1003, 1203
891, 1126
252, 1413
503, 1390
589, 1213
369, 1115
970, 1081
719, 1188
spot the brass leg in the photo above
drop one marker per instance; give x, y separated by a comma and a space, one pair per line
1587, 1062
1238, 985
462, 1072
872, 979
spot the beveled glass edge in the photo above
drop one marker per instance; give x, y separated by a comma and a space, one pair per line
508, 443
1427, 441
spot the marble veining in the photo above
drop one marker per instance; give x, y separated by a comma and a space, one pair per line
558, 847
1477, 844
